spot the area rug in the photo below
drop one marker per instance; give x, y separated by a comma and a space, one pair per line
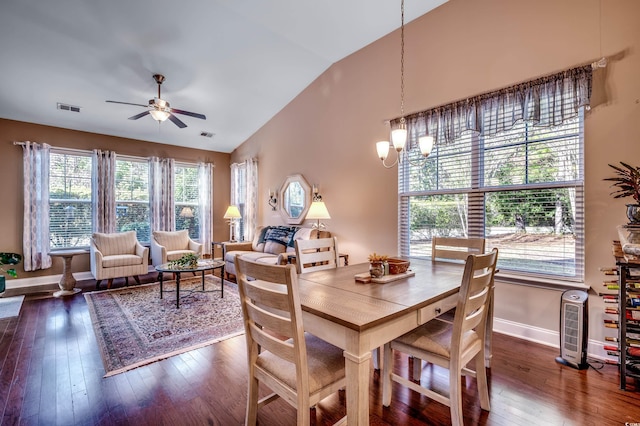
10, 306
134, 327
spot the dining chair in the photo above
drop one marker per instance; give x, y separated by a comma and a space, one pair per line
297, 366
455, 249
315, 255
451, 346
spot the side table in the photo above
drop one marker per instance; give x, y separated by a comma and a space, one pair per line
67, 282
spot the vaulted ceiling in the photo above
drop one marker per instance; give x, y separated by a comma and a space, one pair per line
238, 62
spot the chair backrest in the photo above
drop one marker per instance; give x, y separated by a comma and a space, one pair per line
272, 314
114, 243
456, 249
317, 254
474, 298
172, 240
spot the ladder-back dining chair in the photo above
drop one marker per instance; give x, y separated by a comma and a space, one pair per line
315, 255
297, 366
451, 346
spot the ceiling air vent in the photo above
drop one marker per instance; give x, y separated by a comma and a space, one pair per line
66, 107
206, 134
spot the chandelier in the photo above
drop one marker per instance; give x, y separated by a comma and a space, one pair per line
399, 135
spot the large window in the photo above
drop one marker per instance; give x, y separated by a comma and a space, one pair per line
69, 199
132, 197
521, 189
186, 199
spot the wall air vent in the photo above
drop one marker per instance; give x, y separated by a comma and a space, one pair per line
66, 107
206, 134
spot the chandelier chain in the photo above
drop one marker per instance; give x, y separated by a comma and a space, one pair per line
402, 61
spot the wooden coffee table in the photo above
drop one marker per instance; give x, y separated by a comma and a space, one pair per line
202, 267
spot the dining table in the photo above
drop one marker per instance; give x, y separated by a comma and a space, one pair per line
360, 317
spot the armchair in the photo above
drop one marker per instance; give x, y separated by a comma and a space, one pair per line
171, 245
117, 255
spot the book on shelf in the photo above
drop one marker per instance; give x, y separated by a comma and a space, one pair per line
633, 314
613, 353
610, 321
612, 361
611, 325
610, 301
609, 270
610, 339
610, 348
613, 311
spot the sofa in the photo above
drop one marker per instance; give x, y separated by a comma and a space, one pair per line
271, 244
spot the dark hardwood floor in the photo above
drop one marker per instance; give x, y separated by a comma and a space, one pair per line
51, 374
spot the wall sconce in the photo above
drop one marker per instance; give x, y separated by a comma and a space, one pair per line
316, 194
273, 200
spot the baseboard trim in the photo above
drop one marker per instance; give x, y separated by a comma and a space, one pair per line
26, 283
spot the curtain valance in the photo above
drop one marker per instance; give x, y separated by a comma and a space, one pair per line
546, 101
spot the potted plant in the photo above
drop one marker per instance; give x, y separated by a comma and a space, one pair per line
8, 259
627, 184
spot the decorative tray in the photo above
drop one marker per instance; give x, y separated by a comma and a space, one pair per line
366, 277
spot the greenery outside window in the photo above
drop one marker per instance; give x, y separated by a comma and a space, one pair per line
521, 189
132, 197
69, 199
186, 199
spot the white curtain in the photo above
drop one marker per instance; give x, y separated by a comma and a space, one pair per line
244, 194
161, 184
205, 186
546, 102
103, 199
35, 239
251, 206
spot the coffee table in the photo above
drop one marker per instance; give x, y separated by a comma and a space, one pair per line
202, 267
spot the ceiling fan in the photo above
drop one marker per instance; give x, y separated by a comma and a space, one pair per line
160, 109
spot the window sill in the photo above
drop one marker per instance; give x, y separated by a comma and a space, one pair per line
540, 282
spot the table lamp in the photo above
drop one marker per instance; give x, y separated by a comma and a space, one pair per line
318, 211
232, 214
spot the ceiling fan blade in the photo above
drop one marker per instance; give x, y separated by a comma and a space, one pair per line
142, 114
126, 103
177, 121
191, 114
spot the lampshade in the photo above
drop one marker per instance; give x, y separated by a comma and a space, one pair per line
383, 149
232, 213
318, 211
186, 212
159, 115
426, 145
399, 138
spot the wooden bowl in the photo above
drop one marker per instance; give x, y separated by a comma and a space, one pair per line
397, 266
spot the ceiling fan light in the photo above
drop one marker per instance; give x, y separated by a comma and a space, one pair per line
159, 115
399, 138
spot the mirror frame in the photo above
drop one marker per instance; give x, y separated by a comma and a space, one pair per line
307, 190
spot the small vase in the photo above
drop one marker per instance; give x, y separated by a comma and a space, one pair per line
376, 269
633, 214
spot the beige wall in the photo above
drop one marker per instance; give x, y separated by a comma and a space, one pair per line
11, 215
463, 48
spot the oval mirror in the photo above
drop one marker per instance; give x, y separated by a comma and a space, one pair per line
295, 194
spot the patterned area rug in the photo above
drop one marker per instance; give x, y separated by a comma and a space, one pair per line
134, 327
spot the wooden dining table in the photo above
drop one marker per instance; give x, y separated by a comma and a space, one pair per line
359, 317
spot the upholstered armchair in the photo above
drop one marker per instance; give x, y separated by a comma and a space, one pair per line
171, 245
117, 255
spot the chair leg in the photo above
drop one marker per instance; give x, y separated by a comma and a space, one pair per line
416, 373
126, 281
109, 282
455, 396
252, 402
137, 278
387, 370
481, 378
98, 284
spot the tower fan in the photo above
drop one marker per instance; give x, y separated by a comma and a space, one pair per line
574, 328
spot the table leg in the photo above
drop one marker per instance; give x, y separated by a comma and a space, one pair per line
160, 276
357, 373
202, 280
222, 281
177, 290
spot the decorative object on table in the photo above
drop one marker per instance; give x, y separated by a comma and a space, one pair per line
398, 266
189, 260
273, 200
8, 259
317, 211
134, 327
627, 184
232, 214
399, 134
376, 265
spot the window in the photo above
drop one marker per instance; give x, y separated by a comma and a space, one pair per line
186, 199
132, 197
521, 189
69, 200
239, 197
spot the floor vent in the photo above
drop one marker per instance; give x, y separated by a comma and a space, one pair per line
66, 107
